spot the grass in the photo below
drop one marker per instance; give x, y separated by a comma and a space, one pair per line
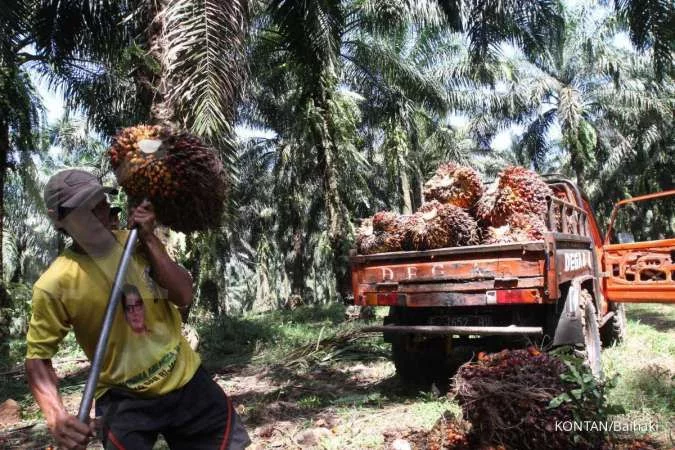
645, 368
271, 337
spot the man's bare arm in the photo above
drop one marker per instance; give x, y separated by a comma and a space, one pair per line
176, 280
66, 429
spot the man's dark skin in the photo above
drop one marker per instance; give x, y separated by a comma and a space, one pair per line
90, 229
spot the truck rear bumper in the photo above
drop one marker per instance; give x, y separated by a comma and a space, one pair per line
510, 330
425, 296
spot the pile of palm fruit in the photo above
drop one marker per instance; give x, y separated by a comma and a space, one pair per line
182, 177
458, 211
506, 398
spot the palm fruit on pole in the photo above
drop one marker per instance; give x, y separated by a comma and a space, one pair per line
176, 171
454, 185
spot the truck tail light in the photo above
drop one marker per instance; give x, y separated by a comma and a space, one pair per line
510, 296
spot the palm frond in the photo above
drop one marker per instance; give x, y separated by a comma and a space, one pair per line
202, 58
652, 25
534, 143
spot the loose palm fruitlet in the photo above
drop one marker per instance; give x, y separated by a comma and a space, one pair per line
437, 225
506, 398
516, 191
518, 228
181, 176
454, 185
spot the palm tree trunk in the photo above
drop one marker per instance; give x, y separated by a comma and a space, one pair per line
336, 212
5, 301
4, 152
407, 195
297, 263
419, 191
577, 163
161, 110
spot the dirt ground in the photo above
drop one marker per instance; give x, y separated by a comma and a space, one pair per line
355, 406
345, 406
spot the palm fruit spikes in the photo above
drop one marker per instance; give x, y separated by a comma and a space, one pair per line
516, 191
454, 185
438, 225
180, 175
518, 228
507, 398
369, 241
385, 221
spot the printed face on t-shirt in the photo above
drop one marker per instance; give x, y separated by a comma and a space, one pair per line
134, 313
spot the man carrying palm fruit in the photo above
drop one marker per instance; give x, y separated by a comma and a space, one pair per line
150, 382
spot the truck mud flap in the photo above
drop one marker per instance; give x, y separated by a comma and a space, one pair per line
569, 330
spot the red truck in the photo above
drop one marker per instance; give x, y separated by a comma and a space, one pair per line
568, 288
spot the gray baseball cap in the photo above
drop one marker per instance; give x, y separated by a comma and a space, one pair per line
73, 188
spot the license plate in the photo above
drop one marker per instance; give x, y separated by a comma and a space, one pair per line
463, 321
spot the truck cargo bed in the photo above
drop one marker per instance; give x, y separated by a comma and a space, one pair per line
458, 276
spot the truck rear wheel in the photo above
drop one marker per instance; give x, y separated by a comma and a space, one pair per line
614, 331
592, 346
405, 361
425, 362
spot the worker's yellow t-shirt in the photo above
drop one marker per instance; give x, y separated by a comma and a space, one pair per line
146, 352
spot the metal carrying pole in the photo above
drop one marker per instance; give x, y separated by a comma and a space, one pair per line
102, 344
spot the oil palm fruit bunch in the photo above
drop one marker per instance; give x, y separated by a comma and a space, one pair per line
506, 398
438, 225
486, 204
517, 191
518, 228
369, 241
454, 185
176, 171
385, 221
363, 232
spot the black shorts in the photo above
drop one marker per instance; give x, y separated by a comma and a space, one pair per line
197, 416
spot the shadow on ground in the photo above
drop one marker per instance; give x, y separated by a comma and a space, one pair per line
661, 317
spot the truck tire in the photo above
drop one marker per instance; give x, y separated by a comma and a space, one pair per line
427, 363
405, 361
589, 323
614, 331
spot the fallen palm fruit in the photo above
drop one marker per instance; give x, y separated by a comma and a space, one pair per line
176, 171
506, 397
453, 184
